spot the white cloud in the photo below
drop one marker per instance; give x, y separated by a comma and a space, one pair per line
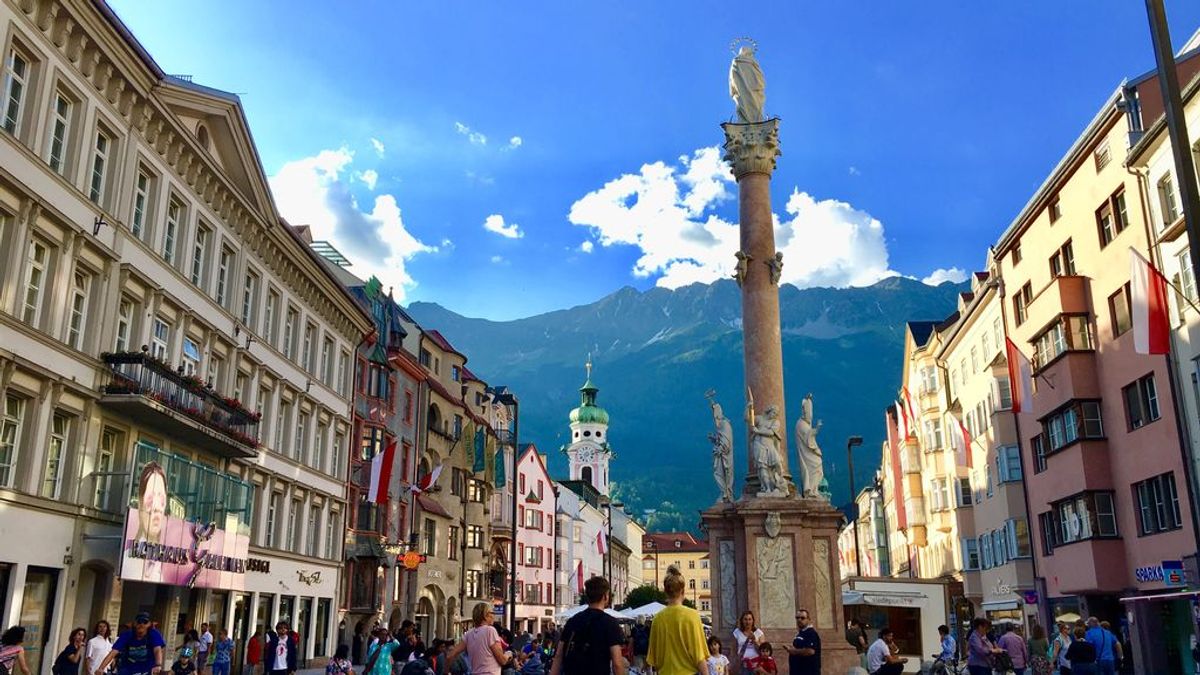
369, 177
854, 171
378, 145
668, 212
515, 142
315, 191
498, 259
474, 137
481, 179
942, 275
587, 246
495, 223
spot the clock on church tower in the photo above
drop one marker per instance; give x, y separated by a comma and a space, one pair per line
589, 452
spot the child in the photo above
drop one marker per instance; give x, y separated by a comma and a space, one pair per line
764, 664
183, 665
718, 663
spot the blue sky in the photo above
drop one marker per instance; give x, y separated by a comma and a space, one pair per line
505, 159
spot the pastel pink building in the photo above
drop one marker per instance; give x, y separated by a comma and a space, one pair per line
535, 543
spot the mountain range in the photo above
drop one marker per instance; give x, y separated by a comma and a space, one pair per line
655, 353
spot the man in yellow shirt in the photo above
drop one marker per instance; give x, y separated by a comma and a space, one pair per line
677, 644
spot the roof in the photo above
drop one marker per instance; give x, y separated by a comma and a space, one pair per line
468, 375
430, 505
683, 542
441, 341
921, 330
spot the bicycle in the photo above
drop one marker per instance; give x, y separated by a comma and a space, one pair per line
943, 667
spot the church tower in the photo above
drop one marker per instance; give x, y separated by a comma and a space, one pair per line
588, 452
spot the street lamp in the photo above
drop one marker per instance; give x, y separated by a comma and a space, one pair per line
850, 445
513, 406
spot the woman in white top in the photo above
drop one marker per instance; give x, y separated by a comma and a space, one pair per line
749, 637
97, 648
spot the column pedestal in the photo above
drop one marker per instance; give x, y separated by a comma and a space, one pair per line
774, 556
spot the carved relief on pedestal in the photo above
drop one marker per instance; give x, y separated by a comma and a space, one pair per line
752, 148
776, 581
822, 584
727, 567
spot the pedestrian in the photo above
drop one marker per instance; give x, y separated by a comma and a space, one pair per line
1014, 645
1118, 648
980, 648
97, 648
718, 663
138, 651
12, 651
254, 650
206, 645
183, 663
338, 665
1039, 651
639, 638
590, 642
856, 635
1106, 646
381, 653
804, 654
1058, 648
222, 651
1082, 654
191, 640
677, 645
949, 653
482, 646
280, 652
358, 643
748, 636
880, 659
765, 663
70, 658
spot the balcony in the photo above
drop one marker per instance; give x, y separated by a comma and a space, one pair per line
1064, 295
910, 459
914, 510
179, 406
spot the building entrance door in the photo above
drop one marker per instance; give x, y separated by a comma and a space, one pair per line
240, 630
37, 613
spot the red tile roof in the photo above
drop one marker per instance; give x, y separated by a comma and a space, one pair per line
431, 505
673, 541
441, 341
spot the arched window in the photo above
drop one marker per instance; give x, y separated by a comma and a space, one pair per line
586, 474
202, 136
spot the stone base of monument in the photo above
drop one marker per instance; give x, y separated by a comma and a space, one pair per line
773, 556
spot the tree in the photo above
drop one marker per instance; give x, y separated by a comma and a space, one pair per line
689, 603
644, 595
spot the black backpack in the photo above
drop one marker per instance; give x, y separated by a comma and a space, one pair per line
576, 650
641, 639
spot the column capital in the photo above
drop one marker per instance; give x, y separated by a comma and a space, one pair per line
752, 148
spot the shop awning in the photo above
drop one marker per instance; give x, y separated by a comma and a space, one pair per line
997, 605
882, 598
1177, 595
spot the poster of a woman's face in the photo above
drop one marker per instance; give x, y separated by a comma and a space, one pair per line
152, 504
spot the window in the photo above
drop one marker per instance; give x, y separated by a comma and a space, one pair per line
1062, 263
454, 545
425, 358
991, 486
321, 447
310, 332
1106, 224
223, 269
974, 359
1016, 253
1008, 463
191, 356
298, 437
933, 435
333, 535
1021, 303
292, 540
963, 491
160, 339
249, 299
289, 333
52, 479
199, 253
284, 411
81, 289
272, 519
474, 583
1085, 516
35, 282
343, 361
171, 230
1141, 402
339, 442
373, 439
314, 517
1038, 450
475, 493
940, 492
1003, 393
1055, 209
458, 426
141, 204
1158, 504
454, 373
60, 133
327, 361
1187, 280
268, 328
1101, 156
1069, 332
1120, 311
987, 553
10, 437
100, 155
16, 81
1078, 420
1167, 199
124, 324
430, 538
110, 444
216, 371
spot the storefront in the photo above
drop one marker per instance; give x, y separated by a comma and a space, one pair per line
1162, 626
912, 608
294, 590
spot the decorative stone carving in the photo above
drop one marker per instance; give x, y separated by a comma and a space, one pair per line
776, 581
747, 86
722, 450
822, 584
772, 524
728, 570
775, 265
764, 448
743, 266
811, 460
752, 148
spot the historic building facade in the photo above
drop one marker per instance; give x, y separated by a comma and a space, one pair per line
536, 506
661, 550
170, 352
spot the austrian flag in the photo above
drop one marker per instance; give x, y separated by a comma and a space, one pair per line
1148, 305
381, 474
601, 542
1020, 374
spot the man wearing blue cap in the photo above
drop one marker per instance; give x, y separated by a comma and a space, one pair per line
138, 651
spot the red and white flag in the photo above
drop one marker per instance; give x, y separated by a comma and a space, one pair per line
601, 542
381, 474
1020, 375
966, 442
428, 480
578, 578
1148, 300
912, 413
902, 418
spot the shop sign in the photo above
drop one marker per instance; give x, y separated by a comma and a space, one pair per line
411, 560
1148, 574
1172, 571
313, 579
258, 565
165, 542
1030, 597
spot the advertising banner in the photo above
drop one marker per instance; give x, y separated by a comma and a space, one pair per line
177, 539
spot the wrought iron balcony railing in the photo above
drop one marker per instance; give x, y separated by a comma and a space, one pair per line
180, 404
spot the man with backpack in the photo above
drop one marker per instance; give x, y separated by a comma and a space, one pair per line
591, 641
